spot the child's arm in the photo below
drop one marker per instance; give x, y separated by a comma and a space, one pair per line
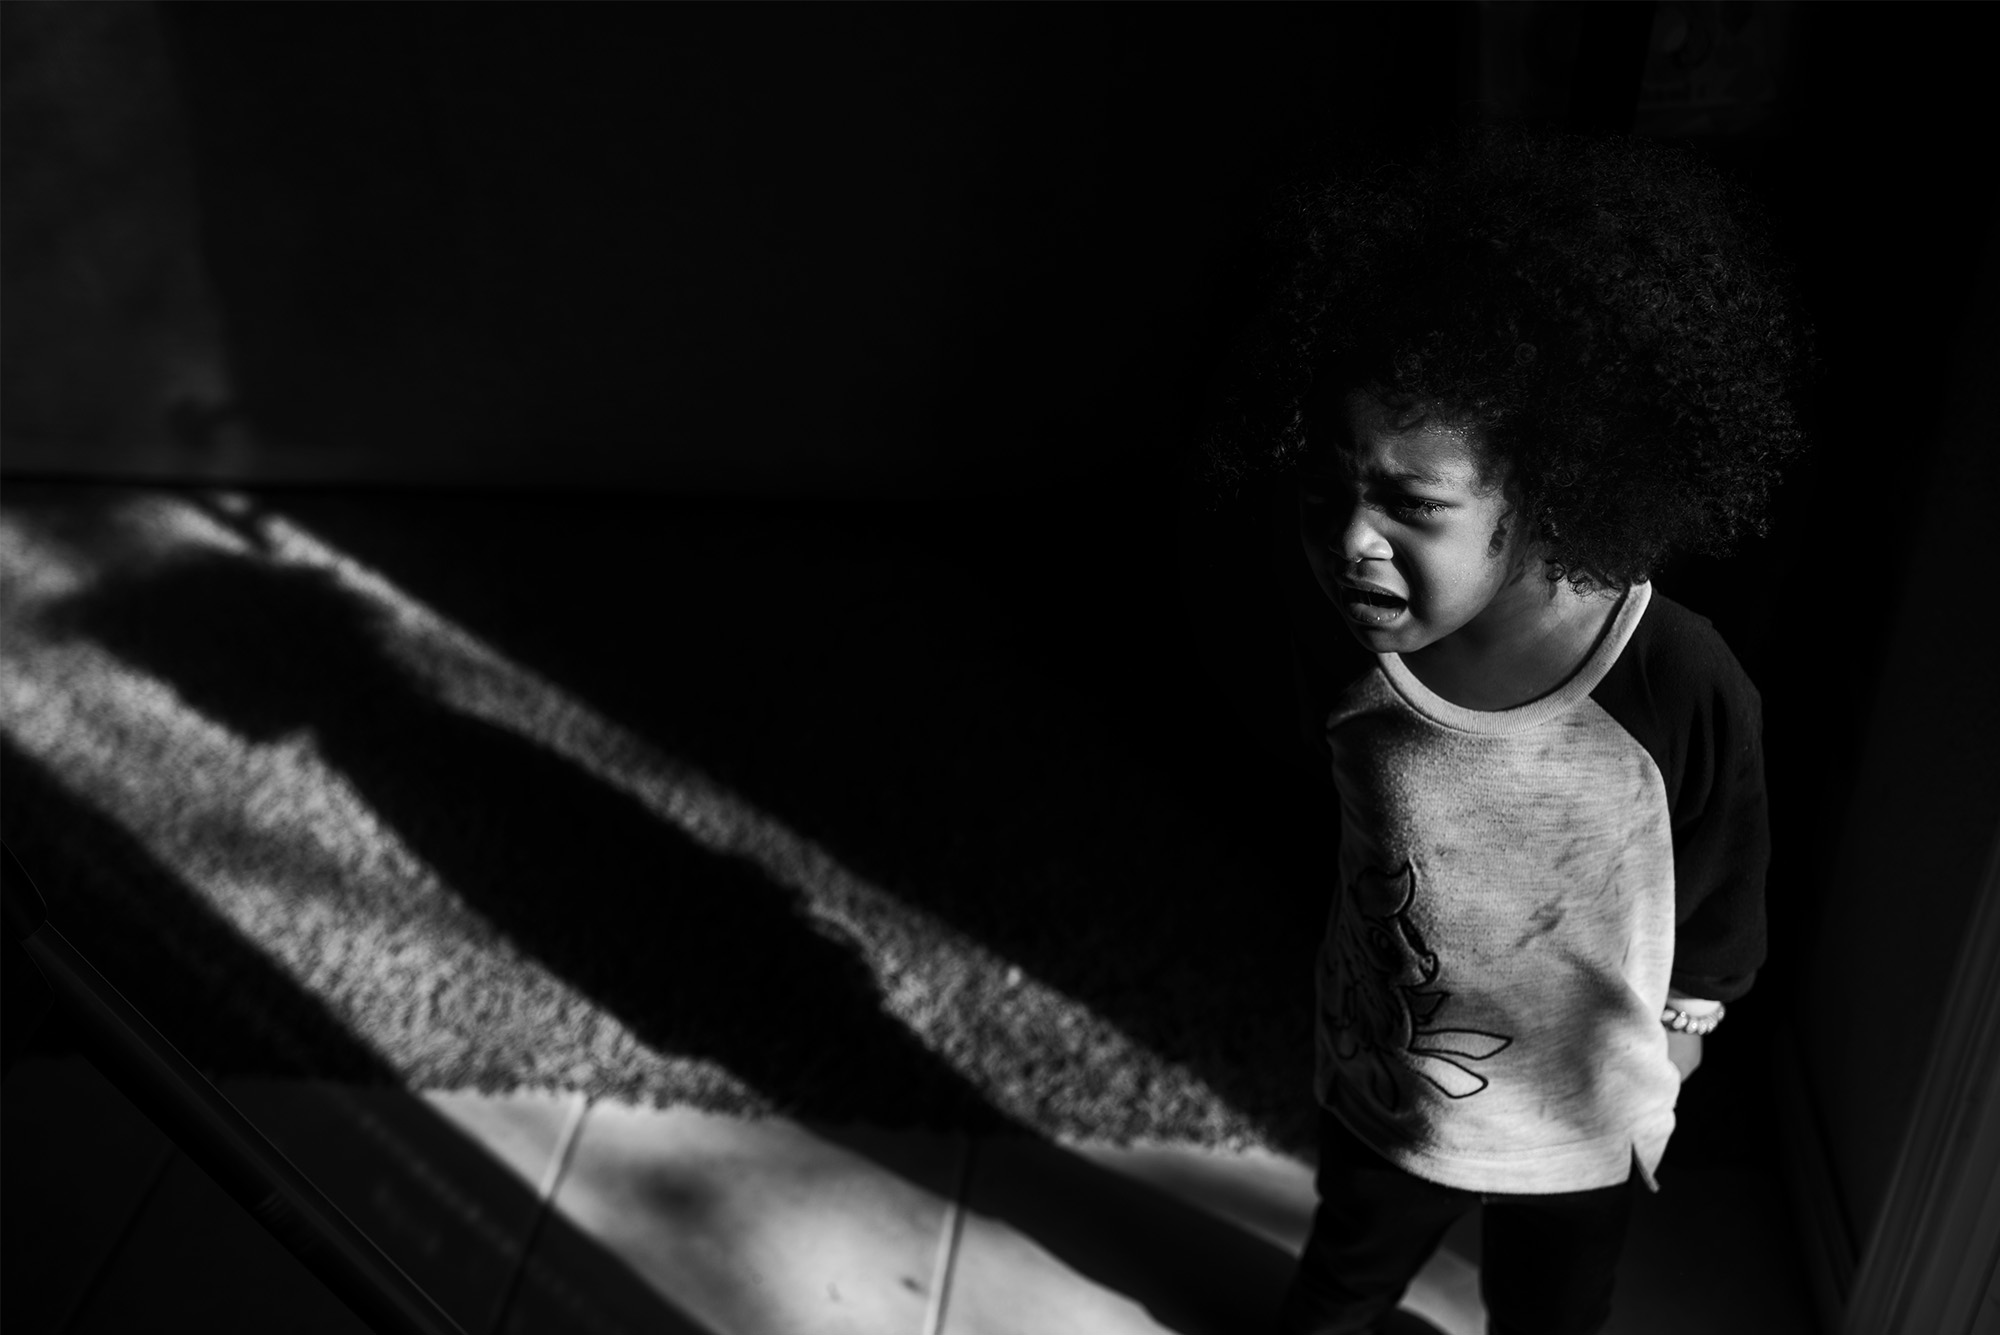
1680, 692
1722, 846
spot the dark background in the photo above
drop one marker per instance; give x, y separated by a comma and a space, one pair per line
993, 258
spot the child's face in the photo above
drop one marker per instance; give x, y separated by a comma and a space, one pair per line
1405, 538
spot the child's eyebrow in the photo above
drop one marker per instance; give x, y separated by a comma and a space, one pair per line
1375, 473
1400, 477
1340, 461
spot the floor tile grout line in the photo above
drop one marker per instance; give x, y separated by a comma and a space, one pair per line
949, 1231
119, 1243
558, 1165
545, 1202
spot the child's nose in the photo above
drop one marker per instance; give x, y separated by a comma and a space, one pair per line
1361, 540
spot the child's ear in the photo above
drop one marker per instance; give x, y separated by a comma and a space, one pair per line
1514, 527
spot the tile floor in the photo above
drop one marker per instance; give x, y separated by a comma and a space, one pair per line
536, 1213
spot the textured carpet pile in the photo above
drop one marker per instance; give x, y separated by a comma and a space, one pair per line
754, 809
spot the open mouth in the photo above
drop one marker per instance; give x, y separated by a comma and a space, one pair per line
1371, 607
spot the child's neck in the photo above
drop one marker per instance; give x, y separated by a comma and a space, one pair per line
1516, 651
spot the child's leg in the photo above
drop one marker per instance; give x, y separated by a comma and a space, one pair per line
1547, 1263
1375, 1227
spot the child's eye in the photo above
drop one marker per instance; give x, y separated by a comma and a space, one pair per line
1410, 507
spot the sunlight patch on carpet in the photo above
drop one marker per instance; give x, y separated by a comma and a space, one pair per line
283, 848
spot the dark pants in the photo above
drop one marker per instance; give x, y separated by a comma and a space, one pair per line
1546, 1267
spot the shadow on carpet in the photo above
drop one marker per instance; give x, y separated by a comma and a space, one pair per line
733, 807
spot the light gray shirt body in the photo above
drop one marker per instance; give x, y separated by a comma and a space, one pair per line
1500, 948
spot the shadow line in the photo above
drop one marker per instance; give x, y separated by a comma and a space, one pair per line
243, 1021
698, 953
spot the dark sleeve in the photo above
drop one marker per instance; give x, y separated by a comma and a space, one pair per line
1722, 848
1685, 698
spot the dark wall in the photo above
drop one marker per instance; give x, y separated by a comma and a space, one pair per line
742, 246
108, 323
1870, 611
1911, 846
1866, 615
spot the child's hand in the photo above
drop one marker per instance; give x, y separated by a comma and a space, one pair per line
1684, 1050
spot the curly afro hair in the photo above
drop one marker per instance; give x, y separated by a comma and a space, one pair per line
1606, 314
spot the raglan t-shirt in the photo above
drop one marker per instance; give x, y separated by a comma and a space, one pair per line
1518, 890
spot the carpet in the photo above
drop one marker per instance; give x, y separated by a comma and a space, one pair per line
849, 813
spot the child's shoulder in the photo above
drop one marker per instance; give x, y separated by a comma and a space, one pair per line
1676, 662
